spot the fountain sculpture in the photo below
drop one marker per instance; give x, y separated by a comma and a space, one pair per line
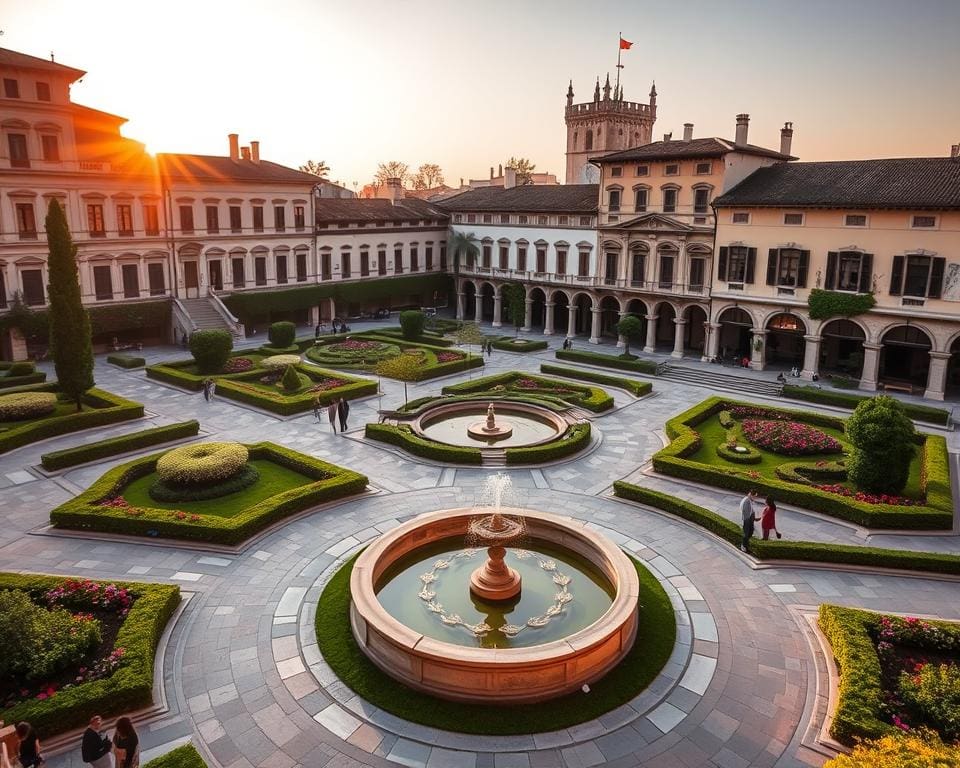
495, 580
490, 429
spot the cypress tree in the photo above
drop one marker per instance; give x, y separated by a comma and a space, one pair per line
69, 321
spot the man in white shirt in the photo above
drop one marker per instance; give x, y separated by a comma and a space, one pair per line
748, 518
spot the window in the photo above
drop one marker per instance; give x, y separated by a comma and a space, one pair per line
521, 219
614, 200
26, 223
563, 221
640, 199
414, 259
541, 258
299, 218
917, 275
611, 267
102, 283
617, 170
855, 220
125, 220
186, 219
672, 170
471, 218
643, 170
793, 219
457, 218
151, 220
504, 256
638, 266
238, 268
3, 292
43, 91
11, 88
236, 220
586, 221
428, 257
17, 142
736, 264
589, 141
279, 218
923, 222
50, 148
485, 256
95, 226
345, 266
487, 218
33, 287
703, 169
740, 217
258, 218
260, 270
849, 271
583, 267
325, 265
542, 221
398, 260
381, 262
697, 271
669, 200
213, 219
522, 258
701, 199
301, 260
156, 279
280, 259
561, 261
787, 267
667, 262
443, 257
130, 274
504, 218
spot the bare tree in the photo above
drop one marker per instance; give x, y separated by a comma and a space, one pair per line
428, 176
524, 169
316, 167
393, 169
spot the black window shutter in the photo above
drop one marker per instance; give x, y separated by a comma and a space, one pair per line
772, 266
866, 272
831, 278
936, 278
896, 276
722, 263
751, 264
802, 268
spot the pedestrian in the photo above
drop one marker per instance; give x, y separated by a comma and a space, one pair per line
126, 745
95, 747
335, 324
183, 340
489, 349
29, 747
768, 519
316, 408
213, 387
206, 390
748, 518
343, 410
316, 333
332, 415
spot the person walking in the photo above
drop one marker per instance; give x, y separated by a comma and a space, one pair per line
206, 390
95, 747
316, 333
489, 349
332, 415
343, 410
768, 519
316, 408
126, 745
28, 749
748, 518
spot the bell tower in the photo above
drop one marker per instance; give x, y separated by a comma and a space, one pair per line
608, 123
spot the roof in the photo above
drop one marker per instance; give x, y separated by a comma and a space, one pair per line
375, 209
217, 168
562, 198
706, 147
19, 60
923, 182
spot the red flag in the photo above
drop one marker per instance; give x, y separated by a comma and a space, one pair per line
625, 44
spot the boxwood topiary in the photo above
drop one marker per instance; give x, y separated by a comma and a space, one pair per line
202, 463
282, 334
412, 322
290, 380
169, 492
21, 369
210, 349
20, 406
883, 440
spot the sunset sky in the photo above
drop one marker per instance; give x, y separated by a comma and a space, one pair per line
467, 85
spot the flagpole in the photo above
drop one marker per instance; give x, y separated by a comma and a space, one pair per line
619, 65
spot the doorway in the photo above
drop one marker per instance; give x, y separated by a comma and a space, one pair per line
191, 280
215, 273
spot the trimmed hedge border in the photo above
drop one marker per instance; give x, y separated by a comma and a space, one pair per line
847, 400
607, 361
21, 381
129, 688
635, 388
937, 514
330, 483
402, 437
433, 371
800, 551
432, 338
511, 344
592, 399
181, 757
749, 457
575, 439
126, 361
285, 404
109, 409
70, 457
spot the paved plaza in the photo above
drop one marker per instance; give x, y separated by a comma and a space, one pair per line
243, 679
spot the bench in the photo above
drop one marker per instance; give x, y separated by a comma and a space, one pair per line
897, 386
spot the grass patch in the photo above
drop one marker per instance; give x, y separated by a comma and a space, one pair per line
656, 634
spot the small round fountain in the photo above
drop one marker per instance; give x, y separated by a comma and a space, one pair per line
495, 580
490, 429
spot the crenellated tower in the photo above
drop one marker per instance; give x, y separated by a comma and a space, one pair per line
605, 124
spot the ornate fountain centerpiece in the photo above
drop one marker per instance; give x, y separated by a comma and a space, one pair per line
490, 428
495, 580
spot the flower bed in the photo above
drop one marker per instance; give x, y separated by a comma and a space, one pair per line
590, 398
870, 498
316, 385
238, 365
789, 438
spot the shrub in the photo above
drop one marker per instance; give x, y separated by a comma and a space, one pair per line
789, 438
168, 492
278, 362
933, 694
126, 361
210, 349
904, 750
21, 369
20, 406
69, 457
883, 440
608, 361
282, 334
846, 400
291, 379
181, 757
404, 438
575, 439
412, 322
202, 463
726, 419
519, 345
807, 474
746, 456
636, 388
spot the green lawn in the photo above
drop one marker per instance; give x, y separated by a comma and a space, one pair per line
655, 638
274, 479
62, 409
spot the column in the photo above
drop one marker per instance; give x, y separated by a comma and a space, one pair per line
651, 345
333, 308
937, 376
871, 366
595, 325
314, 316
571, 321
460, 296
527, 315
712, 347
679, 324
811, 357
478, 307
758, 352
497, 309
548, 319
621, 339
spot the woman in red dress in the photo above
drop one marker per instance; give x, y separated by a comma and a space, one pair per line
768, 519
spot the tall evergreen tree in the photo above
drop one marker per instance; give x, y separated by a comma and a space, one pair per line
69, 321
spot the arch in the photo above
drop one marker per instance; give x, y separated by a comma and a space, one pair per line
736, 324
561, 293
537, 297
784, 341
636, 307
785, 321
841, 347
15, 123
584, 302
666, 329
737, 315
469, 290
609, 315
694, 332
214, 251
905, 354
485, 295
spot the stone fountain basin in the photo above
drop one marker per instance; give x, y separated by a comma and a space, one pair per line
504, 409
486, 675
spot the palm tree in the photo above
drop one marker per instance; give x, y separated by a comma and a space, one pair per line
461, 242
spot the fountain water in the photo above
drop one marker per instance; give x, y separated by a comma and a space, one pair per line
489, 429
495, 580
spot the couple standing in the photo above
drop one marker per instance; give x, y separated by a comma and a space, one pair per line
767, 519
97, 747
337, 409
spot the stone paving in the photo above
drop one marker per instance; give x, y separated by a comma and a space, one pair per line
245, 683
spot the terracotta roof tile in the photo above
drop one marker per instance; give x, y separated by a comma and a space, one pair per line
360, 209
706, 147
217, 168
560, 198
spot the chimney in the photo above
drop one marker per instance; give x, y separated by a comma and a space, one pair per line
688, 131
510, 180
786, 138
394, 190
955, 151
245, 153
234, 139
743, 123
491, 171
500, 170
255, 151
668, 136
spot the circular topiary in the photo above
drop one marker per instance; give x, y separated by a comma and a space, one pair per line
276, 362
26, 405
202, 464
746, 456
168, 492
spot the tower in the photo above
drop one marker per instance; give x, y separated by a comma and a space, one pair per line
605, 124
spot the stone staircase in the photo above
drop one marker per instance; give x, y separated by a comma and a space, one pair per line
204, 314
719, 379
494, 457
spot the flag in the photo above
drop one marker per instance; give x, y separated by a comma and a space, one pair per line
625, 44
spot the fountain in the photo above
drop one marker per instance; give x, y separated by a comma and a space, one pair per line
495, 580
489, 429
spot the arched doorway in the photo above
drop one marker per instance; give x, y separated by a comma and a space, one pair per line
666, 328
694, 334
784, 341
905, 356
561, 313
735, 325
469, 302
584, 318
538, 300
953, 370
486, 302
609, 316
841, 348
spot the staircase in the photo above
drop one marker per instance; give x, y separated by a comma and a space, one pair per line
719, 379
205, 316
493, 457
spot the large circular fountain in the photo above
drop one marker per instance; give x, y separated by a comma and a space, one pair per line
512, 425
548, 606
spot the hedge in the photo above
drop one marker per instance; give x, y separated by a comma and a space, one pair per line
266, 349
286, 404
104, 319
429, 337
848, 400
113, 446
181, 757
607, 361
19, 374
330, 483
510, 344
592, 399
800, 551
402, 437
170, 372
126, 361
431, 371
826, 304
126, 690
109, 409
750, 456
575, 439
935, 515
636, 388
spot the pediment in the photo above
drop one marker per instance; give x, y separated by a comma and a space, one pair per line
655, 222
